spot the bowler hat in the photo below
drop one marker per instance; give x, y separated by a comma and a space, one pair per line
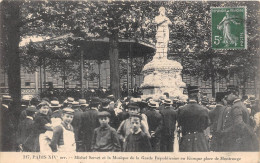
220, 96
105, 102
232, 89
192, 89
31, 109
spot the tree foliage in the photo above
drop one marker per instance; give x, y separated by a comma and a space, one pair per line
190, 33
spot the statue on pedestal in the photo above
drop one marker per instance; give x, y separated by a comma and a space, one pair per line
162, 75
162, 34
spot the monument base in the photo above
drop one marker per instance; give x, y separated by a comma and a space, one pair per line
163, 76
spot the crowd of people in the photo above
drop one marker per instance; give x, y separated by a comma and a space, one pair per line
130, 124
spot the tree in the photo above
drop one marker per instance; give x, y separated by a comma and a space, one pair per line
10, 36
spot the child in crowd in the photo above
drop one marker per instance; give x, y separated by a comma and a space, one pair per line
125, 127
137, 140
105, 138
42, 124
63, 139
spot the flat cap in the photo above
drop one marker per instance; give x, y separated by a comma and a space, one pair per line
136, 115
103, 114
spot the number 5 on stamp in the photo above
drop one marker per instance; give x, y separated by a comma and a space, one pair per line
228, 28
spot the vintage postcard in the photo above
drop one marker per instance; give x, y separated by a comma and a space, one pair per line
129, 81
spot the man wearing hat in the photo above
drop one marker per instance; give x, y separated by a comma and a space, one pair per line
237, 135
25, 102
68, 102
25, 129
161, 103
76, 122
83, 104
214, 116
105, 138
154, 120
193, 119
89, 121
55, 107
169, 117
7, 134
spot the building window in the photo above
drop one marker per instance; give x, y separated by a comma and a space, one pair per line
27, 84
2, 84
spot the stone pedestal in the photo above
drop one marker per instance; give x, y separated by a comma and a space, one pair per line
161, 76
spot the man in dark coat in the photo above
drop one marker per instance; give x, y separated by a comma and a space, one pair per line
25, 129
7, 130
89, 121
238, 135
169, 117
76, 122
214, 117
154, 120
193, 119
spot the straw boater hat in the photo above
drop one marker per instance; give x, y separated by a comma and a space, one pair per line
26, 97
75, 104
55, 104
68, 111
83, 102
168, 102
7, 98
153, 104
70, 100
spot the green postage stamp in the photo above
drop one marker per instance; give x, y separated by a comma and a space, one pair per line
228, 28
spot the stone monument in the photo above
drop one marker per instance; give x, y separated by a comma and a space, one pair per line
162, 75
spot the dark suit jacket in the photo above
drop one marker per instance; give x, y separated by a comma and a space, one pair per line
169, 117
89, 121
154, 120
25, 129
193, 117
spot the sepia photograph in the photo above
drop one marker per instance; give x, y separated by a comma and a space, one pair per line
129, 80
